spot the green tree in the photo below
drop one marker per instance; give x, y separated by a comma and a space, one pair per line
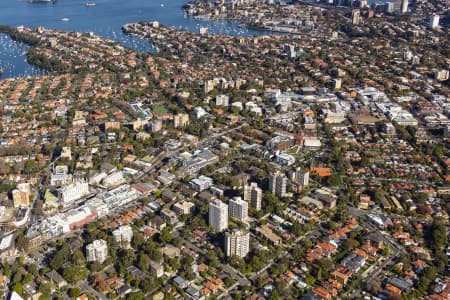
438, 234
22, 242
74, 274
60, 257
335, 180
18, 288
135, 296
144, 262
74, 292
78, 258
165, 236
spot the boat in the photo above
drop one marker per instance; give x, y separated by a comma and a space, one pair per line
65, 19
90, 4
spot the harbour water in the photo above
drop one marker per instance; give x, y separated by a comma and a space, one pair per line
104, 19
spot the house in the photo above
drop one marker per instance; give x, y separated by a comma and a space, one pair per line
342, 274
330, 248
158, 296
124, 289
364, 201
322, 293
180, 282
157, 222
15, 296
400, 283
31, 291
376, 240
157, 269
169, 216
56, 278
193, 292
170, 251
353, 262
393, 289
213, 284
136, 273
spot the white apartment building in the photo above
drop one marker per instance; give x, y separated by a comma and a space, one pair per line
180, 120
97, 251
434, 21
222, 100
123, 235
301, 176
218, 215
73, 191
277, 184
253, 195
237, 243
238, 208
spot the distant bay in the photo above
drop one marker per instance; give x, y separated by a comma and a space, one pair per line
104, 19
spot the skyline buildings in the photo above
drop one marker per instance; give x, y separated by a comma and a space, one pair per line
238, 208
253, 195
218, 215
277, 184
237, 243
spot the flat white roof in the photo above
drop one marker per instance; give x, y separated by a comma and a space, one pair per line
5, 243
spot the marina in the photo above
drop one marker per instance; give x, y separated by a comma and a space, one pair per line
13, 59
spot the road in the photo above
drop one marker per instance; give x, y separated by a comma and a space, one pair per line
157, 160
235, 274
308, 235
396, 250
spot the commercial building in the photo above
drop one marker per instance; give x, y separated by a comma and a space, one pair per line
277, 184
193, 163
237, 243
238, 208
285, 159
201, 183
21, 195
114, 179
97, 251
73, 191
218, 215
253, 194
